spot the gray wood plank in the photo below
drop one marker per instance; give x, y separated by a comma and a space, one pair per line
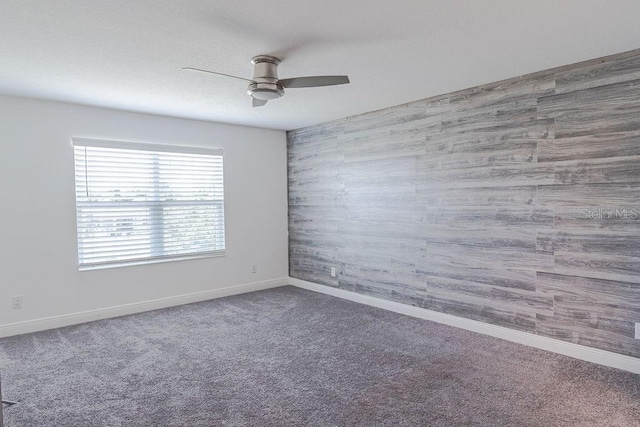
597, 266
463, 256
507, 278
596, 146
496, 176
477, 196
489, 218
591, 242
606, 196
599, 74
519, 153
622, 170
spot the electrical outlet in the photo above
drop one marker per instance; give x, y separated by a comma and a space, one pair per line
16, 302
638, 331
333, 272
254, 268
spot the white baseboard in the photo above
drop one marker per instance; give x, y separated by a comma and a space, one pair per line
138, 307
576, 351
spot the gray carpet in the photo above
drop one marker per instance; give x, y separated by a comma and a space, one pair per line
289, 357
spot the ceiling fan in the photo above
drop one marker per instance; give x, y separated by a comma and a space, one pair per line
265, 84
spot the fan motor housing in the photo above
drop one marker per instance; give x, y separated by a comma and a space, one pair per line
265, 78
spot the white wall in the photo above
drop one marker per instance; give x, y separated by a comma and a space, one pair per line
38, 257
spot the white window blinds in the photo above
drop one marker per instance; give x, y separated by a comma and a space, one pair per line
138, 203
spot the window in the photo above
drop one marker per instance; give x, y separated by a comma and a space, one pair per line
141, 203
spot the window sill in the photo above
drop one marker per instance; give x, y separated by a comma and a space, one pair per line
150, 261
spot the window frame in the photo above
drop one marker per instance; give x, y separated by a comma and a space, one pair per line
149, 147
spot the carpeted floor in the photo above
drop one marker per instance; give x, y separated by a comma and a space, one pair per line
289, 357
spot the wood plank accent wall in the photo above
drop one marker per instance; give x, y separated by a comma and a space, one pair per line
495, 203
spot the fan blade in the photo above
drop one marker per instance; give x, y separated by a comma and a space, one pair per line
314, 81
213, 72
259, 102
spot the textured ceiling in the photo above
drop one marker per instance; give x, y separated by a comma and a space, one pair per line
127, 54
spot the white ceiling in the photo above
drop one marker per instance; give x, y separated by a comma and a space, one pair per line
128, 54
